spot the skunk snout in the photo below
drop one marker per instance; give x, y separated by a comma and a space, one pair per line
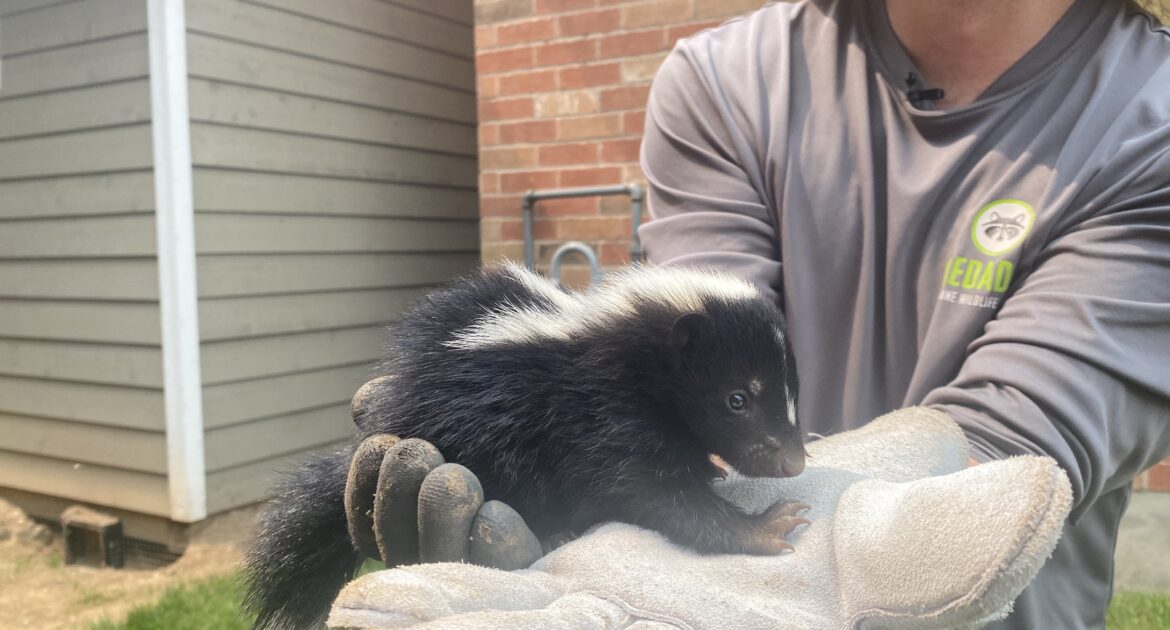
792, 463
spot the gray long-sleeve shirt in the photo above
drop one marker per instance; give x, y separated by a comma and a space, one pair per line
1007, 261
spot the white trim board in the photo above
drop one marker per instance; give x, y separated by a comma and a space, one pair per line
175, 231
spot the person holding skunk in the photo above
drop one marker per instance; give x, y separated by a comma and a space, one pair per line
963, 205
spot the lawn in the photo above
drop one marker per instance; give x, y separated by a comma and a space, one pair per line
216, 604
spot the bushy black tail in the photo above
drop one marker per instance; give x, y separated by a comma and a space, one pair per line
302, 554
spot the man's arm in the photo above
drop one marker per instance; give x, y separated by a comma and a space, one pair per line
705, 185
1076, 364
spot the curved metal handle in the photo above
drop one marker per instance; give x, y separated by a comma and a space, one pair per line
575, 246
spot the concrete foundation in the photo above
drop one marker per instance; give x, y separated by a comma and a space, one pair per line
1143, 544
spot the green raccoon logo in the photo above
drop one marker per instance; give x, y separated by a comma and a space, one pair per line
1000, 226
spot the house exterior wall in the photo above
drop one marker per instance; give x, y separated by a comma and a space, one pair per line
334, 157
80, 365
562, 93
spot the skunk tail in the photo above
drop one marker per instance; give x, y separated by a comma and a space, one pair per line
302, 554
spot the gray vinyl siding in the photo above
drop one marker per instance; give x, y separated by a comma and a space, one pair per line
335, 179
81, 401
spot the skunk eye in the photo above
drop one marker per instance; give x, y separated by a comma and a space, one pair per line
737, 401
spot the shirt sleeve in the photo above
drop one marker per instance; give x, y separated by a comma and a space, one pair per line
704, 185
1076, 365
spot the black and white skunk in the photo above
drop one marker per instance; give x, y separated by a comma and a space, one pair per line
574, 409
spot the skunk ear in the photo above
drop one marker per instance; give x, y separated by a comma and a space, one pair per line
685, 330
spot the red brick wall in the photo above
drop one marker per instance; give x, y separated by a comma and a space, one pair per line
562, 93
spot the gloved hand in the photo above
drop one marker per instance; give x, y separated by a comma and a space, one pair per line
904, 535
404, 505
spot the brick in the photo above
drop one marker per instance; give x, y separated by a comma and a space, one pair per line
563, 6
501, 252
1158, 478
612, 253
625, 97
579, 128
487, 87
499, 205
590, 23
489, 134
513, 229
489, 183
598, 176
485, 37
675, 33
505, 158
503, 10
621, 150
632, 174
530, 131
528, 82
527, 180
617, 204
506, 109
634, 122
566, 103
563, 53
641, 68
592, 228
633, 43
591, 75
567, 207
657, 12
707, 9
524, 32
574, 277
503, 60
580, 153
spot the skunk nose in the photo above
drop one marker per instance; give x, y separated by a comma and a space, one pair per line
792, 463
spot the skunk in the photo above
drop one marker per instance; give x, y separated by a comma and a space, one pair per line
574, 409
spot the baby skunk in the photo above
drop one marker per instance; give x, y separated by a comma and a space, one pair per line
573, 409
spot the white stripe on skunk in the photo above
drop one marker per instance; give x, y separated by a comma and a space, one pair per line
616, 296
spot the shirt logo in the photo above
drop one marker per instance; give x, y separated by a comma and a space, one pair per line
1000, 226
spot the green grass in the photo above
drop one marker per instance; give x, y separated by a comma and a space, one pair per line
199, 606
215, 604
1139, 611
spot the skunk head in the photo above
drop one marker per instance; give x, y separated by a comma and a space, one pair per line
733, 384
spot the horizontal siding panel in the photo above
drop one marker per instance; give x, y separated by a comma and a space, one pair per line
236, 360
144, 451
231, 191
90, 237
233, 318
104, 105
73, 23
110, 322
273, 437
92, 279
250, 233
289, 32
77, 195
217, 59
83, 402
244, 485
10, 7
102, 61
231, 104
85, 362
118, 148
225, 276
395, 22
236, 403
128, 490
252, 149
460, 11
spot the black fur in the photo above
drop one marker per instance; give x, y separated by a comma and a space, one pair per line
616, 422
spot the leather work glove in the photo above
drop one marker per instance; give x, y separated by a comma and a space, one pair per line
404, 505
904, 535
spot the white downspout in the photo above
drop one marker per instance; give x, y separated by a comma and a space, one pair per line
175, 231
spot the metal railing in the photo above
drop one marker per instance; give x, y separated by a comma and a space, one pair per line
637, 197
